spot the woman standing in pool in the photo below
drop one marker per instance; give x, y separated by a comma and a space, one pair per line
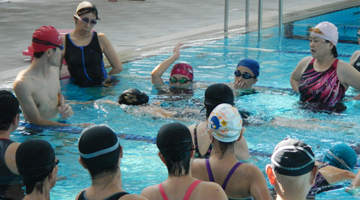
323, 78
355, 58
181, 75
84, 48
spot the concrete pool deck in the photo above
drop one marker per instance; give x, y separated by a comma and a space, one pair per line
137, 27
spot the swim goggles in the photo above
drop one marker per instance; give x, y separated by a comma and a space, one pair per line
181, 80
341, 161
61, 47
86, 20
315, 30
245, 75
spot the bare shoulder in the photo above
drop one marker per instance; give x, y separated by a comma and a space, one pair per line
102, 37
133, 197
210, 190
305, 61
250, 170
150, 192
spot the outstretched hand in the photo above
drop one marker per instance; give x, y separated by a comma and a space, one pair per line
176, 52
65, 111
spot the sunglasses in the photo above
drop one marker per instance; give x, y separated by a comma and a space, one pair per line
182, 80
86, 20
315, 30
61, 47
245, 75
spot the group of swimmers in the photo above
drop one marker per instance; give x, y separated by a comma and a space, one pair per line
321, 79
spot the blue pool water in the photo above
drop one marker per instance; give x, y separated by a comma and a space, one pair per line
274, 111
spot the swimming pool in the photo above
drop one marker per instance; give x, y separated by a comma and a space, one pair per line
213, 61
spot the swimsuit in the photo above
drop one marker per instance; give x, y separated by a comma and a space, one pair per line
187, 194
10, 184
324, 87
115, 196
197, 153
321, 184
85, 63
357, 64
211, 177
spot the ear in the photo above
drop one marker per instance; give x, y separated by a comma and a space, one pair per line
313, 175
255, 80
161, 157
270, 174
241, 133
82, 163
48, 52
121, 152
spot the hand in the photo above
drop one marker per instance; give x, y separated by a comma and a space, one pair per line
239, 85
65, 111
177, 51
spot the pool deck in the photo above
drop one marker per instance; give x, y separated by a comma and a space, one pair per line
142, 28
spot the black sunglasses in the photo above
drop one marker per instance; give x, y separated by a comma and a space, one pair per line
61, 47
245, 75
181, 80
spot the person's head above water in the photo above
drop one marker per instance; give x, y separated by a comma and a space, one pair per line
217, 94
44, 38
100, 150
84, 8
181, 75
9, 106
175, 144
328, 32
341, 156
35, 160
133, 97
246, 74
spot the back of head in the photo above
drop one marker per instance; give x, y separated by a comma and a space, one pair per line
217, 94
9, 108
133, 97
86, 7
174, 142
35, 160
252, 65
341, 156
44, 38
225, 125
292, 157
99, 149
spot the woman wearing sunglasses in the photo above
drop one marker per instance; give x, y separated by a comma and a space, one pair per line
84, 50
355, 58
322, 79
246, 74
181, 75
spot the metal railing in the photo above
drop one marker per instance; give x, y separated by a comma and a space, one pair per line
260, 10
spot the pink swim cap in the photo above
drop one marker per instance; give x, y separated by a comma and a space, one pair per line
184, 69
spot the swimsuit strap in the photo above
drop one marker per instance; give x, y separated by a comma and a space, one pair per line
196, 141
191, 189
162, 192
211, 177
230, 174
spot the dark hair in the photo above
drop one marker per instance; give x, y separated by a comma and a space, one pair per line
86, 10
217, 94
39, 54
224, 146
127, 97
175, 168
9, 106
333, 50
35, 185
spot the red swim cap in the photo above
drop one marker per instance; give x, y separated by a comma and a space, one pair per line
45, 38
184, 69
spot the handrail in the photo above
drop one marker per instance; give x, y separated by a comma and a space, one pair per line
260, 9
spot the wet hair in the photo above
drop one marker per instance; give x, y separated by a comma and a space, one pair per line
175, 168
86, 10
99, 149
333, 50
133, 97
9, 106
39, 54
217, 94
225, 146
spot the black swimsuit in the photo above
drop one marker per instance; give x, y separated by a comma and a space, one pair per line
357, 64
198, 154
115, 196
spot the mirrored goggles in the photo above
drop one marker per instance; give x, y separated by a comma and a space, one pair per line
181, 80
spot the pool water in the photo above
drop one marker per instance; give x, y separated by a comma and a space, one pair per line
275, 113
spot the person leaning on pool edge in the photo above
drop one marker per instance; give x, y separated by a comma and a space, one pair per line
323, 78
181, 75
90, 46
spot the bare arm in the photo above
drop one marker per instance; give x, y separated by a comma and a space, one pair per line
258, 186
334, 175
65, 110
298, 71
10, 159
110, 54
349, 76
162, 67
241, 149
353, 58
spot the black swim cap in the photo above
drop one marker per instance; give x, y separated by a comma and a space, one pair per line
174, 141
99, 147
133, 97
9, 107
217, 94
35, 160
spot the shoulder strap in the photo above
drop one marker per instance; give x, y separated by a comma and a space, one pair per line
191, 189
162, 192
82, 195
211, 177
230, 174
335, 63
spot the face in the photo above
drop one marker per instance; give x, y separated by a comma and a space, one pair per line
319, 47
85, 22
178, 84
240, 82
54, 56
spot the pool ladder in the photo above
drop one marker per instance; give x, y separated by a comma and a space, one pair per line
260, 10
